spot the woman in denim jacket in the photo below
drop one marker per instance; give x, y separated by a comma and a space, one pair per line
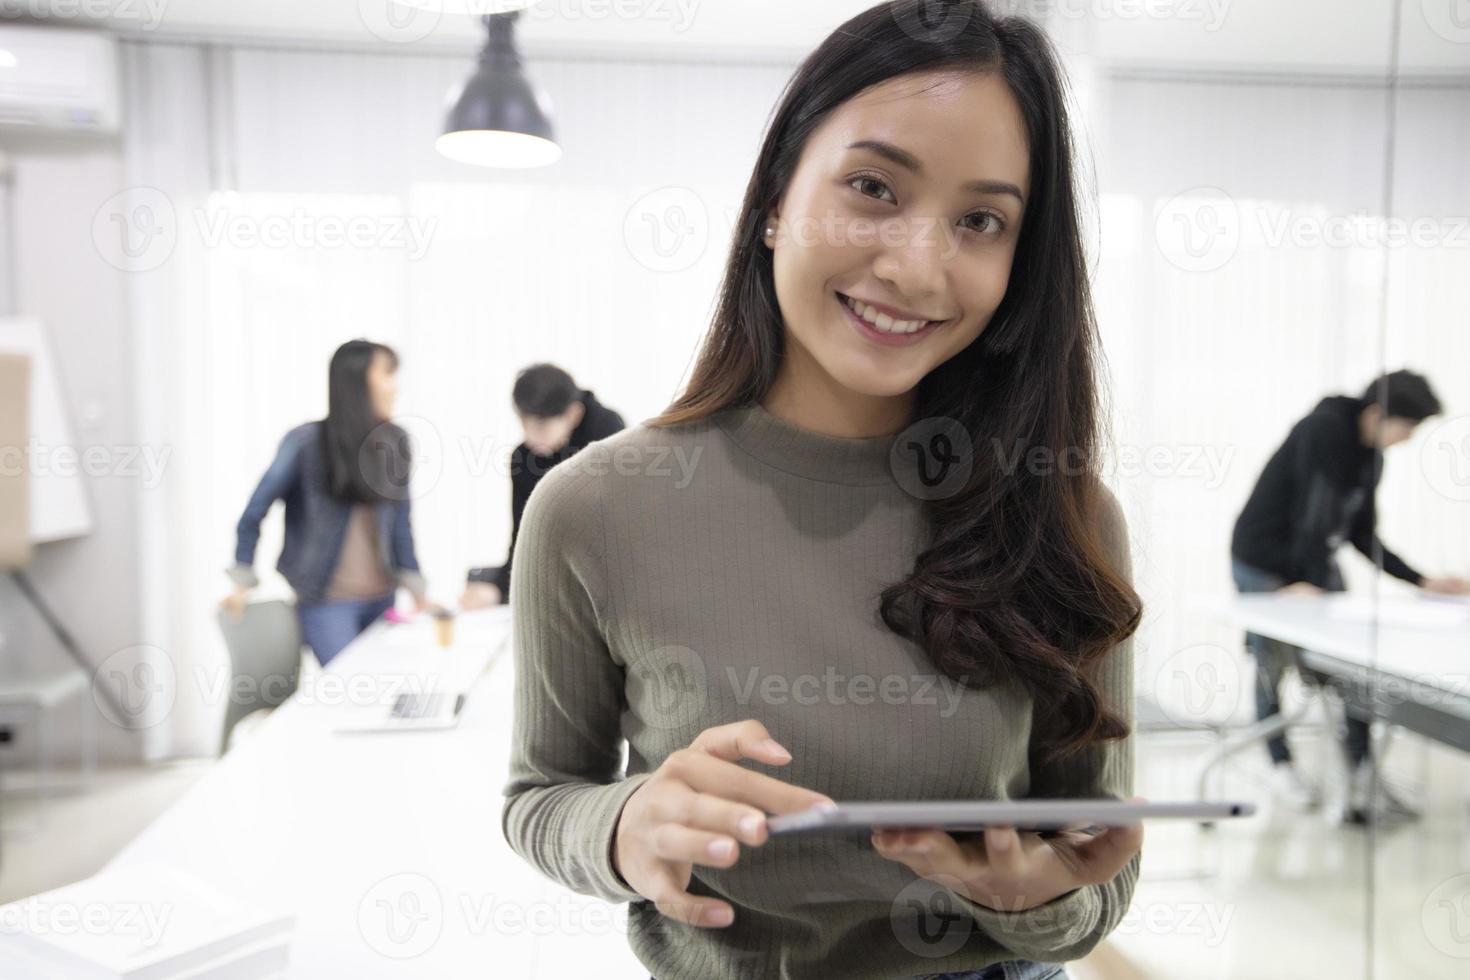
344, 479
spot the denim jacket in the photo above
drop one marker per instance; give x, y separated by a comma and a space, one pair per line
316, 523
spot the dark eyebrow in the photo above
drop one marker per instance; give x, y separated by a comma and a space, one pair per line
907, 160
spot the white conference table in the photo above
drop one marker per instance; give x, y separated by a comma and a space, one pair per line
388, 846
1405, 659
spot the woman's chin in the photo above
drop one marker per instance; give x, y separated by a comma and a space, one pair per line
875, 384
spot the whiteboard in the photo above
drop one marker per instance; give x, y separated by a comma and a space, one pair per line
59, 505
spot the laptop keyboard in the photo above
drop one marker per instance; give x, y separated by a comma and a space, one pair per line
419, 705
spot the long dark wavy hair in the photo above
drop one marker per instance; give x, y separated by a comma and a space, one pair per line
1014, 582
367, 457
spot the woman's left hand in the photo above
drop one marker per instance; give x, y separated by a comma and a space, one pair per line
1012, 872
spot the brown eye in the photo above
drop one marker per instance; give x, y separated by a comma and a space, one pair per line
993, 225
864, 180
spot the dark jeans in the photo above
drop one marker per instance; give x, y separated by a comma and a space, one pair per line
1274, 656
1008, 970
329, 626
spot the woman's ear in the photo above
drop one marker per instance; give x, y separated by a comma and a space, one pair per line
768, 231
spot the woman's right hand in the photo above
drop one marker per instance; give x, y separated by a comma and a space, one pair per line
695, 809
234, 603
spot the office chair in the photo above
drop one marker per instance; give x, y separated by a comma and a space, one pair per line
265, 659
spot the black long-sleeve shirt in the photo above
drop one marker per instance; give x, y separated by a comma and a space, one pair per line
1316, 492
527, 468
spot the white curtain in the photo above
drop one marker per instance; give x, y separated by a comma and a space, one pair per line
1426, 487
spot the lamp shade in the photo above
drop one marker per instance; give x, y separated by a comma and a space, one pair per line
498, 118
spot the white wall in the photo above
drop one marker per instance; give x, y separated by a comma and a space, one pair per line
92, 583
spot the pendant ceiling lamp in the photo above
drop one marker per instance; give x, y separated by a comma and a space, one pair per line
498, 118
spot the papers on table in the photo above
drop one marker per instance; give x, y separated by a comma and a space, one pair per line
146, 922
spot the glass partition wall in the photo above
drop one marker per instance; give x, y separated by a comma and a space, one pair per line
1243, 170
1418, 686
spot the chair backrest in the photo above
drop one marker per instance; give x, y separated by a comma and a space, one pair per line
265, 659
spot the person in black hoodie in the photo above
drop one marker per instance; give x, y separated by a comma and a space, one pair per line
1317, 492
558, 419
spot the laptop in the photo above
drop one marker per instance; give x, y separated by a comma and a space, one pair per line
408, 711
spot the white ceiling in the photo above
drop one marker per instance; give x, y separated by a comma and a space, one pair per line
1278, 35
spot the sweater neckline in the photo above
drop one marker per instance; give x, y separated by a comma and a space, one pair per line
802, 452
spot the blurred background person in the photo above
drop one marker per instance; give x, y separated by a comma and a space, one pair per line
558, 419
1317, 492
344, 479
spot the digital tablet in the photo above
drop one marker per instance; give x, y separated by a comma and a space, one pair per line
976, 815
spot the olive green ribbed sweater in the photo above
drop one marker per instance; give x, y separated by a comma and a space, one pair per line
668, 580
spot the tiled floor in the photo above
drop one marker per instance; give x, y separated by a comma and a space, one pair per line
70, 833
1293, 895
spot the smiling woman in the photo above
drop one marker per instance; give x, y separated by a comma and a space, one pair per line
911, 287
911, 248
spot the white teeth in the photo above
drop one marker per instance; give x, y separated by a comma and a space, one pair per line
882, 321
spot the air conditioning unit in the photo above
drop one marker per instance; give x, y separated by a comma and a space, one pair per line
58, 80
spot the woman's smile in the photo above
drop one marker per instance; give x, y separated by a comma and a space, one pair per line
880, 328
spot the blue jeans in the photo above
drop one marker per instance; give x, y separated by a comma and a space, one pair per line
1007, 970
1274, 656
329, 626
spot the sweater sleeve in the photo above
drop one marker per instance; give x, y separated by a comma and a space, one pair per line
566, 788
1070, 925
1364, 537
